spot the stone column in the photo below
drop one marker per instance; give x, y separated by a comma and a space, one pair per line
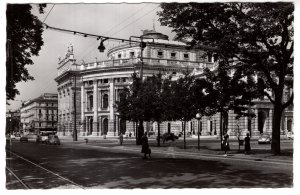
270, 119
86, 125
117, 124
95, 108
111, 124
100, 125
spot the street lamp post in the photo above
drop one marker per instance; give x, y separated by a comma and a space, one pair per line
198, 117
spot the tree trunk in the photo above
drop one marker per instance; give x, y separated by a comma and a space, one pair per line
225, 122
158, 134
140, 131
184, 144
136, 132
221, 129
277, 113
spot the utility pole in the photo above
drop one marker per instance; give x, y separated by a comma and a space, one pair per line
75, 130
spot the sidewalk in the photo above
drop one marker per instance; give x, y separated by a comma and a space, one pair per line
170, 148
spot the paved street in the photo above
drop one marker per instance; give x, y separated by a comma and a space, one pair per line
108, 165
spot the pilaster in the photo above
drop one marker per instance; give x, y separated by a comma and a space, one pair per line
270, 119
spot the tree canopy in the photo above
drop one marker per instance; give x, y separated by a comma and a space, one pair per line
24, 40
254, 36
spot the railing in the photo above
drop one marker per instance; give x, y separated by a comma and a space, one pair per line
149, 61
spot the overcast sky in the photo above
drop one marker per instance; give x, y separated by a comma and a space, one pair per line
115, 20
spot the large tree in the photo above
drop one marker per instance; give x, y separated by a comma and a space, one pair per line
258, 36
131, 105
24, 40
230, 89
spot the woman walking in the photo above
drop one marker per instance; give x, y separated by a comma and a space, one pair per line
145, 146
247, 144
226, 143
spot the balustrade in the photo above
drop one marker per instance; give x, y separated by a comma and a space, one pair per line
149, 61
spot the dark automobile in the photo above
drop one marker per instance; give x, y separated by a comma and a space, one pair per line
31, 137
168, 136
23, 139
264, 139
53, 139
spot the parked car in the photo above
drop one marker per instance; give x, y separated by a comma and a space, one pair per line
12, 137
17, 136
32, 137
168, 136
53, 139
43, 138
290, 135
23, 139
264, 139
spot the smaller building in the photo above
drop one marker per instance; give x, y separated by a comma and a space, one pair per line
40, 114
13, 122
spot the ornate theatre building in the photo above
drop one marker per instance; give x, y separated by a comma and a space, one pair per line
87, 92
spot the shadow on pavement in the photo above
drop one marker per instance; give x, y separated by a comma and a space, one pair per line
98, 169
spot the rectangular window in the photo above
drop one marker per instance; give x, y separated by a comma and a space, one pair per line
124, 80
209, 57
186, 56
105, 80
173, 55
131, 54
159, 53
119, 55
40, 124
40, 111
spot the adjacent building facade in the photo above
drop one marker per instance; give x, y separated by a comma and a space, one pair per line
40, 114
87, 93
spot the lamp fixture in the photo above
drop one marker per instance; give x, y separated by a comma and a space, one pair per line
101, 47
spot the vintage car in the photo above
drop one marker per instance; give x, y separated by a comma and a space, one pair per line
264, 139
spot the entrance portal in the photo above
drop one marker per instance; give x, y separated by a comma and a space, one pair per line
105, 126
91, 126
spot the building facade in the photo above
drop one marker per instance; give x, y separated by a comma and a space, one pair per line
40, 114
13, 119
87, 93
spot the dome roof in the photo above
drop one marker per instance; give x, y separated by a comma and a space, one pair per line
152, 34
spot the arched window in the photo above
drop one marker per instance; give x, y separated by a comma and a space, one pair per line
105, 101
289, 125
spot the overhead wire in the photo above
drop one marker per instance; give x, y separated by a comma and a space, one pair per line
85, 34
48, 13
125, 27
135, 20
94, 43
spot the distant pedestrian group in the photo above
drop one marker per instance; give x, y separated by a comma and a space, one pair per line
145, 146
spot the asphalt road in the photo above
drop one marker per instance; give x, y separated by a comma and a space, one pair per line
85, 166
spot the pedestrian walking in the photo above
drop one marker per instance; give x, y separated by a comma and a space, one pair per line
130, 134
247, 144
121, 138
145, 146
226, 143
